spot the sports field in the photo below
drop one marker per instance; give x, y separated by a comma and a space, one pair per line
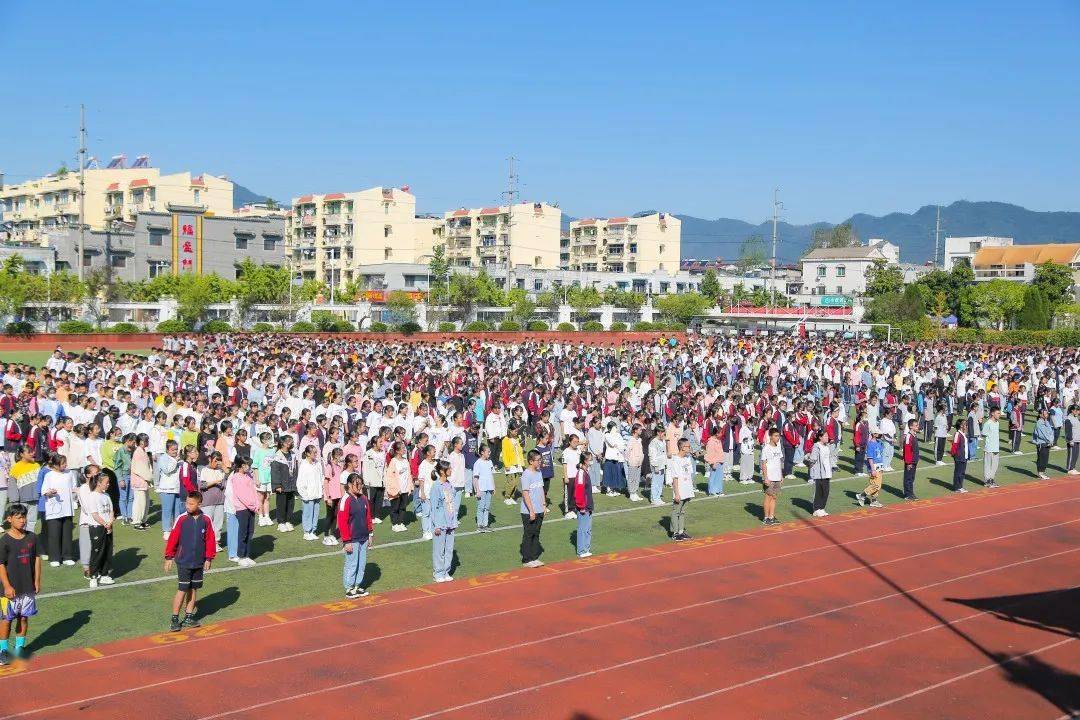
37, 358
961, 606
292, 572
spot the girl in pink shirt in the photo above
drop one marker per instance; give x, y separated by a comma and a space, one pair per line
332, 492
245, 500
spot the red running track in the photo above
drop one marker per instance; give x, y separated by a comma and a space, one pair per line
959, 607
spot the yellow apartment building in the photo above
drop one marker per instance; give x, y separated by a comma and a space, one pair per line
626, 244
52, 202
523, 234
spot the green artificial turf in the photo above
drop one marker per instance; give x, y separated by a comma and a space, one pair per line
37, 358
126, 609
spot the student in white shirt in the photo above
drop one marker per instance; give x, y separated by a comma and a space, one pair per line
680, 472
99, 530
58, 489
571, 457
484, 484
772, 474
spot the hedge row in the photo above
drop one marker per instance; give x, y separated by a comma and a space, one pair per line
1062, 337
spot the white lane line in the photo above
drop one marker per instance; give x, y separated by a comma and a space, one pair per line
417, 541
957, 678
567, 571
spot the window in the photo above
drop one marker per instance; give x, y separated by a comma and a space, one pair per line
821, 271
537, 261
269, 244
388, 253
156, 268
839, 290
155, 239
538, 285
387, 230
841, 271
820, 290
198, 195
118, 261
241, 243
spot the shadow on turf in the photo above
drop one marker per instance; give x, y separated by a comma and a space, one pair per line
126, 560
261, 545
216, 601
60, 631
1053, 611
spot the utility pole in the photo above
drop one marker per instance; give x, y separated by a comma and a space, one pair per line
776, 205
511, 196
937, 237
82, 188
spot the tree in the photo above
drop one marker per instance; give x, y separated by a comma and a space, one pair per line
521, 306
584, 301
883, 279
710, 286
401, 307
1035, 315
841, 236
1055, 281
308, 290
260, 285
995, 302
271, 204
439, 269
751, 253
625, 299
683, 308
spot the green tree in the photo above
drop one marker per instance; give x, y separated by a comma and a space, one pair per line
884, 279
751, 253
271, 204
1035, 315
521, 306
308, 290
439, 268
995, 302
710, 286
401, 307
584, 301
1055, 281
683, 308
841, 236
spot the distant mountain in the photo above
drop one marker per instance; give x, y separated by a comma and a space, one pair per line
242, 196
913, 232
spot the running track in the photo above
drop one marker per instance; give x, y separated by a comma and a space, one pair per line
959, 607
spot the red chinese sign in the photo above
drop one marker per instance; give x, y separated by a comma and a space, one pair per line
186, 245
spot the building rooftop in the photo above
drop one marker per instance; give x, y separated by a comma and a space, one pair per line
858, 252
1063, 253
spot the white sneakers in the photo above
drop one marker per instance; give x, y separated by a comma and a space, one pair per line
376, 521
164, 536
398, 528
444, 579
311, 536
820, 513
428, 536
508, 501
93, 582
106, 580
657, 502
265, 521
247, 562
533, 564
330, 540
585, 554
635, 498
570, 515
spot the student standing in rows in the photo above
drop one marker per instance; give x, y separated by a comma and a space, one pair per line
1072, 440
532, 511
1043, 438
356, 529
772, 474
122, 465
309, 481
821, 463
635, 458
658, 459
571, 457
444, 522
261, 454
373, 469
333, 481
714, 464
245, 503
875, 459
458, 480
20, 579
581, 486
398, 482
941, 434
991, 431
167, 483
910, 447
746, 454
959, 451
680, 473
513, 461
483, 473
142, 475
100, 511
192, 545
547, 465
212, 489
58, 491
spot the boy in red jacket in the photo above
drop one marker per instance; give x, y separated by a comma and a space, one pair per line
192, 545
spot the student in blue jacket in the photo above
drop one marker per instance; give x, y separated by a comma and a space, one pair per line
444, 521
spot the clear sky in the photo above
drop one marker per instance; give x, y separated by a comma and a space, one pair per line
698, 108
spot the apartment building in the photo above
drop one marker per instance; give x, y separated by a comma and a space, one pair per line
330, 236
31, 208
1018, 262
963, 249
626, 244
842, 271
523, 234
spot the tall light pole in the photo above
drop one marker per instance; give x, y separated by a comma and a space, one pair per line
775, 219
82, 188
511, 196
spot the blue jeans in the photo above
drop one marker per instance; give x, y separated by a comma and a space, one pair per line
233, 532
422, 508
127, 495
656, 486
309, 517
889, 450
355, 563
459, 493
483, 508
442, 553
716, 479
584, 531
171, 508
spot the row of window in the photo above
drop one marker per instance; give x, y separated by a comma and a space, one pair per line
822, 270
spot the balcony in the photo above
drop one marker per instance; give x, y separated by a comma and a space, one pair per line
614, 249
333, 219
307, 221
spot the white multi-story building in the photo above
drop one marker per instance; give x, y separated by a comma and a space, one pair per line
331, 235
842, 271
626, 244
523, 234
1018, 262
964, 248
35, 207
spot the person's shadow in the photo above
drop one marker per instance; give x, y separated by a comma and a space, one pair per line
664, 522
216, 601
261, 545
803, 504
126, 560
755, 509
60, 631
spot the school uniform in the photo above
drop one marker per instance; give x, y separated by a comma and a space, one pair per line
911, 463
445, 522
581, 487
354, 523
959, 452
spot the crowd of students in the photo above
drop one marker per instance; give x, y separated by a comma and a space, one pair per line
241, 431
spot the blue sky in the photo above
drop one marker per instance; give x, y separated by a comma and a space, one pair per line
698, 108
